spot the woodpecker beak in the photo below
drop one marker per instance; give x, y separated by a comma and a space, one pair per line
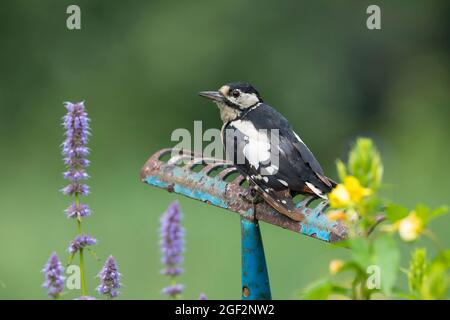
212, 95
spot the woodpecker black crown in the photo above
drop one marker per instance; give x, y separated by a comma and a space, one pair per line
244, 87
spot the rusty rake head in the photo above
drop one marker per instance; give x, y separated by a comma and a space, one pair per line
218, 183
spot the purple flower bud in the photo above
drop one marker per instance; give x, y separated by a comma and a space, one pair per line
202, 297
71, 162
172, 240
80, 242
172, 271
75, 175
109, 279
54, 279
77, 211
173, 290
76, 188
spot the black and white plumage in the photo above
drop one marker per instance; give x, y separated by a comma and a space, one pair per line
265, 149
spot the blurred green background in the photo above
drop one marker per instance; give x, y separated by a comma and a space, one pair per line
139, 65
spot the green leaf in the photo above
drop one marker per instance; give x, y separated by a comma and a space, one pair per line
395, 212
435, 281
417, 268
405, 295
444, 257
351, 266
387, 258
361, 252
376, 173
423, 212
318, 291
438, 212
341, 169
429, 280
364, 162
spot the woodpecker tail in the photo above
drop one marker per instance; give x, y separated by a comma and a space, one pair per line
329, 183
319, 190
333, 183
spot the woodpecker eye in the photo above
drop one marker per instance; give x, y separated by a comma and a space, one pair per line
235, 93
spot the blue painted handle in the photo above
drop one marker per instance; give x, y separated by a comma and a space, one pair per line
255, 278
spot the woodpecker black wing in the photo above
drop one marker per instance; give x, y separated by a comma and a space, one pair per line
292, 166
241, 150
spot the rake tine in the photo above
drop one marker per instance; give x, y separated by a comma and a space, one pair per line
215, 190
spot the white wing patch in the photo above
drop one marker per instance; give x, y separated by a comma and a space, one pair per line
270, 170
298, 138
257, 147
316, 190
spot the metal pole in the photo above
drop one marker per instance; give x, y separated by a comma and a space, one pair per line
255, 278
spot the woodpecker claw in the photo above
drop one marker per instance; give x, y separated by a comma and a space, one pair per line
251, 195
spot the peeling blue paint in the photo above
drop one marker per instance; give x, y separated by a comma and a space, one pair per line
154, 181
310, 230
316, 224
196, 194
255, 278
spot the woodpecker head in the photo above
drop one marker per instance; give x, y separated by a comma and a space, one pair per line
233, 99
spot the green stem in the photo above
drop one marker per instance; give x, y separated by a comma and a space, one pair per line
355, 283
82, 274
79, 225
174, 282
83, 282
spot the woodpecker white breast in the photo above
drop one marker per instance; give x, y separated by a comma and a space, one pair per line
263, 146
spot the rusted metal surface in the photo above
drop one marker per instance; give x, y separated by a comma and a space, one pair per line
178, 174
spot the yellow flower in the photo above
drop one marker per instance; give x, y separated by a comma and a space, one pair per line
347, 193
339, 197
336, 266
336, 215
410, 227
355, 189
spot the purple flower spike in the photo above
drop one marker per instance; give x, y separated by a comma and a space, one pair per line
109, 279
81, 242
54, 279
172, 240
74, 148
172, 247
173, 290
75, 151
202, 296
77, 211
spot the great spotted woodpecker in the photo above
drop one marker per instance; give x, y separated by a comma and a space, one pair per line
265, 149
